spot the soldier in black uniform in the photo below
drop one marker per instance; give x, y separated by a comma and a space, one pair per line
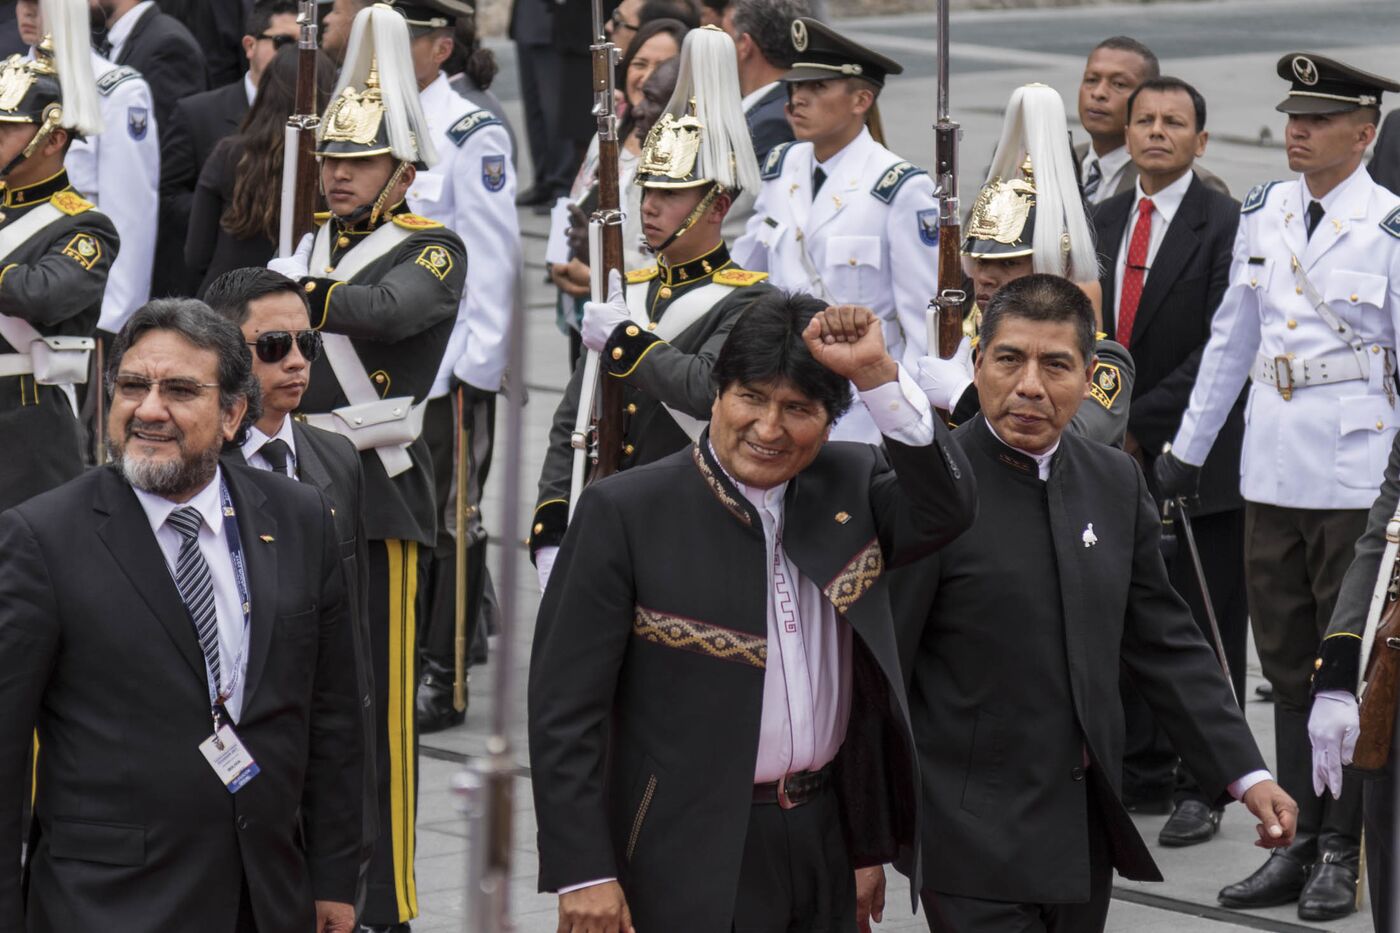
55, 253
383, 286
662, 332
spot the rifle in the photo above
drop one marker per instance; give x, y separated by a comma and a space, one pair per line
597, 433
1380, 660
299, 174
945, 309
461, 638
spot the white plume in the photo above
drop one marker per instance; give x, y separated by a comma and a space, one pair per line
67, 22
709, 73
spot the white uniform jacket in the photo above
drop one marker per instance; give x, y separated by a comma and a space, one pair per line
119, 171
471, 191
1324, 445
870, 236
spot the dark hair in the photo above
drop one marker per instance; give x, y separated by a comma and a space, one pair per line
766, 346
255, 206
261, 15
1041, 297
1167, 83
718, 6
197, 323
769, 24
656, 91
231, 293
1129, 44
682, 10
677, 31
469, 58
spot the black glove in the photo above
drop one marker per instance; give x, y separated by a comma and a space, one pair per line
1176, 478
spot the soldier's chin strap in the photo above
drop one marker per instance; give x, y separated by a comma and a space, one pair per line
691, 219
374, 209
53, 113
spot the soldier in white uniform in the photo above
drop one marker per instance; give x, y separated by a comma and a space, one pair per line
839, 216
471, 191
1311, 314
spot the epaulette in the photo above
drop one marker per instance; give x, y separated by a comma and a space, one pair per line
739, 277
642, 275
470, 124
773, 165
1256, 197
320, 218
1391, 224
71, 203
415, 222
1105, 384
894, 178
120, 75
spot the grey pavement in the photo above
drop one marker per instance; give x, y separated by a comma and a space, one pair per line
1228, 50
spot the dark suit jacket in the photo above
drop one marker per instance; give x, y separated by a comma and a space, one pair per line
646, 679
210, 250
768, 122
1385, 158
98, 653
217, 26
168, 57
1188, 278
1014, 636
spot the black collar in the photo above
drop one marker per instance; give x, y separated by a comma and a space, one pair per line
36, 193
363, 227
724, 490
1021, 463
696, 270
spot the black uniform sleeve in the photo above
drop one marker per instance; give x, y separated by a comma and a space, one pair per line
551, 516
66, 280
922, 497
1103, 416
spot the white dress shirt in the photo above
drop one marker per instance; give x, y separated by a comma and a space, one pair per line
253, 446
122, 28
214, 546
250, 88
1111, 166
1165, 204
751, 99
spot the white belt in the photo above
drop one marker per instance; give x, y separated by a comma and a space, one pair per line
1287, 373
16, 364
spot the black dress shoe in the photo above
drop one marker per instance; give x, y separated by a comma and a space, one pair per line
1191, 823
1330, 892
433, 703
533, 195
1265, 692
1278, 881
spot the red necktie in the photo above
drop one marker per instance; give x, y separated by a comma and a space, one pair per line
1134, 272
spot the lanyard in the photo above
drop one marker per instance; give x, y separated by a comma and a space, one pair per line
218, 693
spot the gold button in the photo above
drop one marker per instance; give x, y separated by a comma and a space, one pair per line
1299, 289
342, 241
852, 260
664, 292
633, 330
1375, 348
1380, 425
631, 408
651, 326
1354, 296
1292, 324
1254, 282
628, 450
617, 353
310, 287
539, 528
1317, 665
330, 268
378, 377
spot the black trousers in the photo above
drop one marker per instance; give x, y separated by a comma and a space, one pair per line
1379, 820
796, 876
1150, 764
557, 89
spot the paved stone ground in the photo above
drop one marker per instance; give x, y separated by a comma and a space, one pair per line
1228, 50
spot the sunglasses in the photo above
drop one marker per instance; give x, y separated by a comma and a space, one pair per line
619, 22
274, 345
279, 42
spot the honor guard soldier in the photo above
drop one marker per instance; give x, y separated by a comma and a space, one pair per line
55, 253
839, 216
471, 191
1311, 315
662, 332
384, 286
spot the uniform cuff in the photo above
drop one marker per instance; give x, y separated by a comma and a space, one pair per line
1241, 787
318, 296
550, 522
1338, 666
629, 343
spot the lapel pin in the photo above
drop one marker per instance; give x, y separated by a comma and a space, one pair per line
1337, 224
1287, 217
1089, 538
843, 517
228, 511
267, 539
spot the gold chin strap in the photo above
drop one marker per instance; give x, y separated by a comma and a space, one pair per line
53, 115
381, 202
693, 217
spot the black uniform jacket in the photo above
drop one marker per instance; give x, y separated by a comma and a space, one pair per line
54, 280
1014, 636
654, 371
99, 654
646, 681
1179, 298
398, 311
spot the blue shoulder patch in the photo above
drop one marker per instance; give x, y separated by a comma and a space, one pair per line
1256, 197
894, 178
1391, 224
773, 165
470, 124
109, 82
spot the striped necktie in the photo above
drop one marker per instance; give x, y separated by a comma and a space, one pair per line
196, 587
1092, 179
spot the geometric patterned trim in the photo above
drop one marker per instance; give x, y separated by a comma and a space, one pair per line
672, 631
857, 576
722, 494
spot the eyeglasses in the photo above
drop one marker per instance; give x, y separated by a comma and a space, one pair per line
132, 388
279, 42
619, 23
274, 345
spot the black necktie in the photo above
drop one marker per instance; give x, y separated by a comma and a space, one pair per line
102, 45
1092, 179
818, 177
1315, 212
277, 453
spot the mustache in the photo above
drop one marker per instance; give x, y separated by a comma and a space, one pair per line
164, 431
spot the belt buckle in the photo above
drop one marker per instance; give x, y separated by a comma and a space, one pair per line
784, 801
1283, 365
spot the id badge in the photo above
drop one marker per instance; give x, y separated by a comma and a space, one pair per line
230, 760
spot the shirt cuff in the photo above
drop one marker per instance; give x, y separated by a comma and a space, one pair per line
901, 410
1241, 787
569, 889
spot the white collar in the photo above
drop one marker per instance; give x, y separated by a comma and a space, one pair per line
751, 100
208, 502
1330, 199
256, 439
250, 88
1109, 164
770, 499
1042, 461
430, 94
122, 28
1165, 202
833, 165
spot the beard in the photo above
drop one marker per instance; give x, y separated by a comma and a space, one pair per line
188, 473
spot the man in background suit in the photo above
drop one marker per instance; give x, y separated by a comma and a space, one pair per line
762, 33
1385, 157
166, 623
217, 26
158, 46
1165, 259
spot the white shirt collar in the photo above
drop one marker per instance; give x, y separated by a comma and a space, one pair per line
1042, 461
256, 439
1329, 200
833, 165
207, 502
1165, 202
1109, 164
770, 499
430, 94
122, 28
249, 88
751, 100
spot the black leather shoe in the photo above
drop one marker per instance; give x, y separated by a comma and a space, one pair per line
433, 703
1330, 892
1191, 823
1278, 881
533, 195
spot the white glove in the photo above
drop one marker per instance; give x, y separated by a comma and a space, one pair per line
944, 381
600, 318
296, 266
1333, 728
544, 564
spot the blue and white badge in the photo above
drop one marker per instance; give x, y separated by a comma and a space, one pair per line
228, 757
928, 226
137, 122
493, 172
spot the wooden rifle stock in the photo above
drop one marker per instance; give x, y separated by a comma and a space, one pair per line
1382, 689
945, 336
306, 119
